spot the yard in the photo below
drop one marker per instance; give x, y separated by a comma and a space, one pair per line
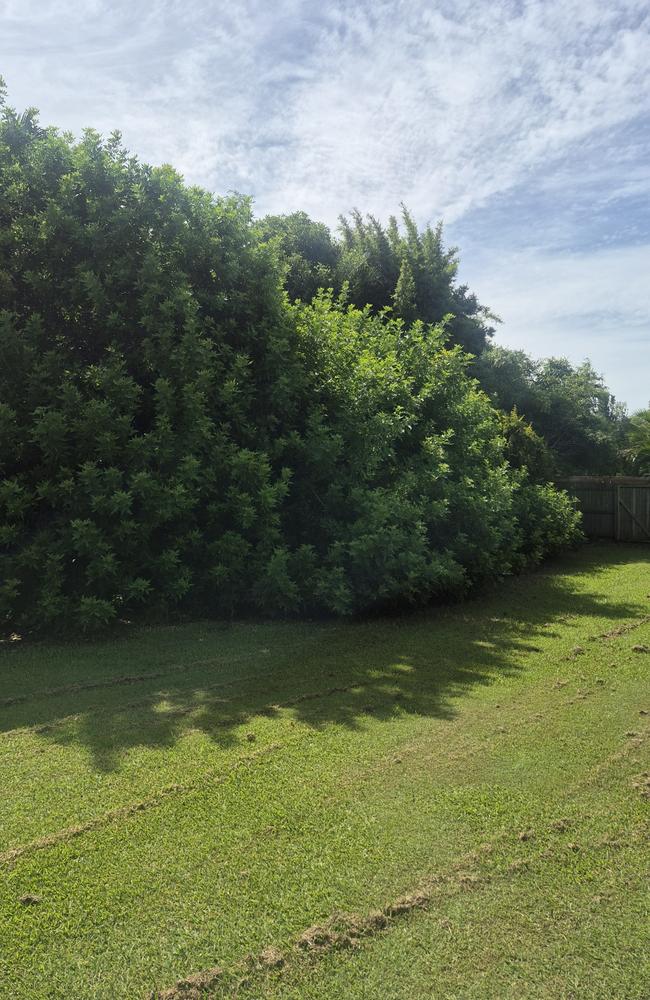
451, 804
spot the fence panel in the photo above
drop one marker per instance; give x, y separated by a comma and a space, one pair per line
633, 514
612, 507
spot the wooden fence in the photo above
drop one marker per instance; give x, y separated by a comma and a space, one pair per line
612, 507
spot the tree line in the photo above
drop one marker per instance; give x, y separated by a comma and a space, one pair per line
204, 413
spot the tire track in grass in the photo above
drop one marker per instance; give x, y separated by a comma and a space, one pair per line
125, 679
619, 630
340, 930
104, 709
211, 776
347, 930
48, 727
179, 668
12, 854
120, 812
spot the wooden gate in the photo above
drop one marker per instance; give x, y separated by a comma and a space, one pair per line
612, 507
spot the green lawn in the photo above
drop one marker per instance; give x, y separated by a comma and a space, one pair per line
450, 804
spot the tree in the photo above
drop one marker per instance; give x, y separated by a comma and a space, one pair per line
637, 444
306, 248
403, 269
176, 436
404, 303
569, 406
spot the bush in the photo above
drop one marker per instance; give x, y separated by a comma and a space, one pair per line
176, 436
548, 521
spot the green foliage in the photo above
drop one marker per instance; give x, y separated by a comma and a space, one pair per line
569, 407
306, 248
177, 437
524, 448
548, 521
413, 274
637, 444
404, 296
408, 271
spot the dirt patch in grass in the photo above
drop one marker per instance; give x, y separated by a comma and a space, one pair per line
270, 958
193, 987
340, 931
642, 784
619, 630
348, 930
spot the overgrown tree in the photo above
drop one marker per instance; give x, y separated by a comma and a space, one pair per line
175, 436
402, 269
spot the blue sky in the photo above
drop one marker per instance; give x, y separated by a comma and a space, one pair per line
525, 126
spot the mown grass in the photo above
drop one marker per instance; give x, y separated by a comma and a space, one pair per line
182, 798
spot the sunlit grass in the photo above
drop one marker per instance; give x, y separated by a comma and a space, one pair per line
239, 785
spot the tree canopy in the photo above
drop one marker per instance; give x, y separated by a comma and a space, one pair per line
177, 436
637, 442
410, 272
569, 406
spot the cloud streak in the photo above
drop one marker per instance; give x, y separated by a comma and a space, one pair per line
520, 117
304, 107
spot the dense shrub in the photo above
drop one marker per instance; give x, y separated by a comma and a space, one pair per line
546, 519
175, 435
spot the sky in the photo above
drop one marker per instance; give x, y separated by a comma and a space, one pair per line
523, 124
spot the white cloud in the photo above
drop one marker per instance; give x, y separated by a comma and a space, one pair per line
445, 112
448, 106
371, 102
593, 304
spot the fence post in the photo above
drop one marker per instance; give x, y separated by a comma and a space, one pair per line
617, 536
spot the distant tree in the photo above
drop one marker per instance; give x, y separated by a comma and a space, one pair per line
569, 406
637, 444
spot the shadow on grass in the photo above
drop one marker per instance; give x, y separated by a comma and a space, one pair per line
342, 673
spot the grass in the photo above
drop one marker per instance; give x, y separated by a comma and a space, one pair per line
454, 802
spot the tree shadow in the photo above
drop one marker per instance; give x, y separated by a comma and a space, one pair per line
418, 663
